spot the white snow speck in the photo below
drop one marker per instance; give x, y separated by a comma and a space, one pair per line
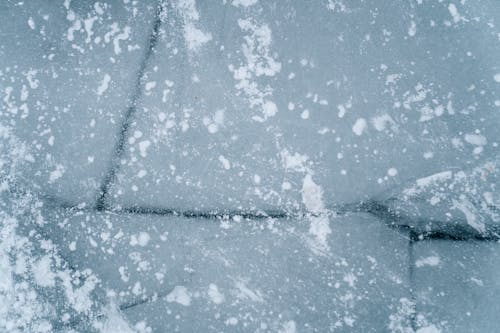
469, 211
150, 85
454, 13
142, 239
104, 84
57, 173
392, 172
380, 122
496, 77
179, 295
143, 147
195, 38
215, 295
359, 126
269, 109
475, 139
312, 195
429, 329
43, 274
225, 162
428, 261
246, 293
305, 114
31, 23
289, 327
244, 3
294, 162
122, 36
114, 321
412, 30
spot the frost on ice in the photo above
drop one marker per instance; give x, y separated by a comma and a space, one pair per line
245, 165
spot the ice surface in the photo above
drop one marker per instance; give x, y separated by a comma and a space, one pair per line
361, 95
457, 286
248, 165
451, 201
199, 274
67, 74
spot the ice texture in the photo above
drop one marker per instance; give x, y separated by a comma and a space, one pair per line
249, 166
67, 75
193, 274
458, 289
364, 96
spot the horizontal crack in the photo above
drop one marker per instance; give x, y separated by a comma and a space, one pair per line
456, 232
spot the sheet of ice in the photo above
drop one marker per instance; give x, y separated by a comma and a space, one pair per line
239, 274
458, 202
67, 73
367, 95
458, 289
39, 290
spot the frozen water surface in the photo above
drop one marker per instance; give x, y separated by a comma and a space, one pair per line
249, 166
68, 73
457, 285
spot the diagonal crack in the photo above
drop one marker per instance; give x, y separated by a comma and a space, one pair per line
119, 148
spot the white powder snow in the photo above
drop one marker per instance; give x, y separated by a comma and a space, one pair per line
122, 36
381, 122
141, 239
294, 162
428, 329
43, 274
269, 109
289, 327
225, 162
496, 77
143, 147
412, 30
392, 172
425, 182
193, 36
258, 62
31, 23
428, 261
359, 126
312, 195
57, 173
244, 3
215, 295
179, 295
319, 228
468, 209
104, 84
246, 293
114, 321
454, 13
475, 139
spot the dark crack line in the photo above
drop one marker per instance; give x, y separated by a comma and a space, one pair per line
119, 148
391, 219
412, 280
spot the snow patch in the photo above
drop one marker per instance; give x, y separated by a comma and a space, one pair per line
104, 84
428, 261
215, 295
359, 126
179, 295
244, 3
